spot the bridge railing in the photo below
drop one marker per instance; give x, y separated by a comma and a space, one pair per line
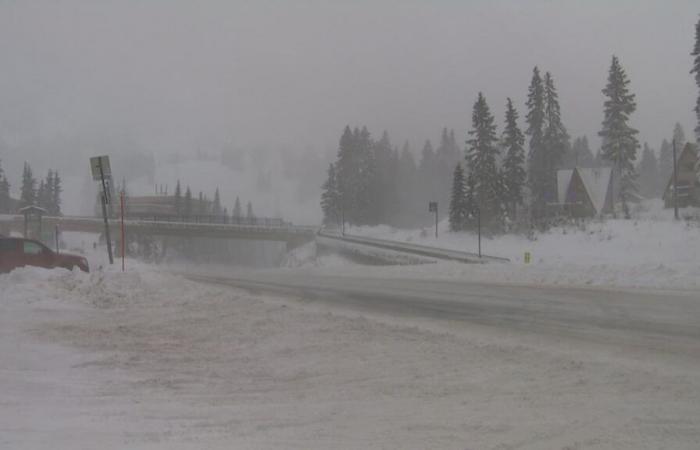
210, 219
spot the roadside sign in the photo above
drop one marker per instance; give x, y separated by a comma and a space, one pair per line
527, 258
97, 162
432, 206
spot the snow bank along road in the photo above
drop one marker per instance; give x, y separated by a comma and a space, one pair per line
659, 320
149, 360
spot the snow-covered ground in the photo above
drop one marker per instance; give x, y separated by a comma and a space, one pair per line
146, 360
651, 251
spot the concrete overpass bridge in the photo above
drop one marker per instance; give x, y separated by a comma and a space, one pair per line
249, 229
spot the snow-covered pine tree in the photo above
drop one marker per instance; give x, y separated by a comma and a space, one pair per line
385, 205
696, 71
407, 186
249, 212
665, 166
648, 173
619, 139
346, 167
579, 155
556, 138
42, 199
237, 210
366, 212
330, 199
177, 201
56, 190
679, 137
535, 119
459, 211
5, 206
216, 206
482, 152
187, 206
28, 189
513, 170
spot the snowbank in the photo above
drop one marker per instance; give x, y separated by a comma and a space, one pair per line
651, 251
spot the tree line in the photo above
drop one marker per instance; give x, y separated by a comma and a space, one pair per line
496, 179
185, 205
46, 193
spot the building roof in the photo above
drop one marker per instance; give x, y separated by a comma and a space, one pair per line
597, 183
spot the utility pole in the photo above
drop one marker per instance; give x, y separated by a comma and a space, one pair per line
675, 182
478, 226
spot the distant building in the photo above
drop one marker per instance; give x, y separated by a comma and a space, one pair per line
688, 168
585, 192
151, 205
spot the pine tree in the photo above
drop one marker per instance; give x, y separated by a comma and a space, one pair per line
619, 139
28, 190
556, 138
366, 213
346, 172
178, 199
330, 199
482, 153
458, 202
665, 166
56, 190
201, 206
5, 206
513, 175
237, 211
679, 136
407, 186
187, 206
696, 71
41, 195
535, 119
648, 173
216, 207
384, 181
579, 155
249, 212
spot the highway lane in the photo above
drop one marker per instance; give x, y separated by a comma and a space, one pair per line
661, 321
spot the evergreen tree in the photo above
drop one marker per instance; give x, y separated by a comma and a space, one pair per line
330, 199
696, 71
665, 166
42, 199
619, 139
178, 199
237, 211
535, 119
459, 210
201, 206
28, 190
482, 152
679, 136
347, 168
556, 138
384, 181
56, 190
513, 175
187, 206
249, 212
407, 187
579, 155
648, 173
216, 206
5, 202
365, 213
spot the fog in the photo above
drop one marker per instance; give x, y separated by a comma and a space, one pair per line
166, 77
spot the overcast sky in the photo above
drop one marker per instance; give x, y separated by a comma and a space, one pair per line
176, 76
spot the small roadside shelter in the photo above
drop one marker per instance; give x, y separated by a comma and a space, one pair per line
32, 220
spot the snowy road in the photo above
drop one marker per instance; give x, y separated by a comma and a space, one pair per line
148, 360
657, 320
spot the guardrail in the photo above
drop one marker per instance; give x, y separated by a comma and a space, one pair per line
422, 250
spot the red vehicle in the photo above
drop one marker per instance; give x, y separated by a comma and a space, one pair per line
18, 252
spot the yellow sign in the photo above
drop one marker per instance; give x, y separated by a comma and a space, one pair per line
528, 257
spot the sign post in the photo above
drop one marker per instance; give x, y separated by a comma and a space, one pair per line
123, 244
433, 207
100, 171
